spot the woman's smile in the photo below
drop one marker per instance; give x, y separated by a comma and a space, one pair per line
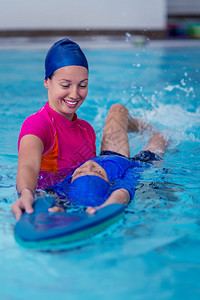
70, 104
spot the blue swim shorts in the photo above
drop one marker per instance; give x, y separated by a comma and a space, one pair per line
143, 156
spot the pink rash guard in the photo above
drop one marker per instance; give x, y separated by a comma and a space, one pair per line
66, 143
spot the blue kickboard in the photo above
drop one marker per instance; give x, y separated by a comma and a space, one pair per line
45, 228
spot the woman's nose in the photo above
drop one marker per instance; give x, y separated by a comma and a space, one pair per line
74, 94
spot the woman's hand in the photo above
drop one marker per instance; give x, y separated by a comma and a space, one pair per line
23, 203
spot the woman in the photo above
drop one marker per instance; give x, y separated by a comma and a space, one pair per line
54, 141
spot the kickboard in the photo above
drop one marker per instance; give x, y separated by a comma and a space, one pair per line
43, 228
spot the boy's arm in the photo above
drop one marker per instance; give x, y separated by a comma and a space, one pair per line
118, 196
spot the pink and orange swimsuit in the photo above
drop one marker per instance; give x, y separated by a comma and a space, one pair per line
66, 143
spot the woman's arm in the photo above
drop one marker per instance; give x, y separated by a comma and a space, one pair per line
118, 196
29, 161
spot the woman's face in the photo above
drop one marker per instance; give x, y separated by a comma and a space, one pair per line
90, 167
67, 89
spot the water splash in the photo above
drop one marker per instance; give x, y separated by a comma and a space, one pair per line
188, 91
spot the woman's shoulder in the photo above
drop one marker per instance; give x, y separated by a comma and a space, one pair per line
39, 118
37, 124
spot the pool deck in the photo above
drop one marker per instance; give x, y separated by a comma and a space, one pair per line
94, 42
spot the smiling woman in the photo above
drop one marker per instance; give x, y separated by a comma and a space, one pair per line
67, 89
54, 139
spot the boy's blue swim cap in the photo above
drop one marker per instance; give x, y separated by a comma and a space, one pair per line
64, 53
88, 190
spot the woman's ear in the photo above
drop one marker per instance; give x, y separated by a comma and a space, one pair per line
46, 83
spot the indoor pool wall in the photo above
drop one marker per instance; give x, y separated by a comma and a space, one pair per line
154, 252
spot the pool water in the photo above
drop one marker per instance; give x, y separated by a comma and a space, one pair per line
153, 253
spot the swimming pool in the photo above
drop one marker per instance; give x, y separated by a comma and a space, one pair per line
154, 252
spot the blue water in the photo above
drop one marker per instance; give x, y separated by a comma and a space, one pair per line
154, 252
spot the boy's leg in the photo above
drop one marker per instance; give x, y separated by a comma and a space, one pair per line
115, 136
157, 144
137, 125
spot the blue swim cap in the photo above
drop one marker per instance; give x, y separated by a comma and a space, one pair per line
64, 53
88, 190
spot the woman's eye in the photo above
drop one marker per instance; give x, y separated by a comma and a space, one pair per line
65, 86
83, 85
